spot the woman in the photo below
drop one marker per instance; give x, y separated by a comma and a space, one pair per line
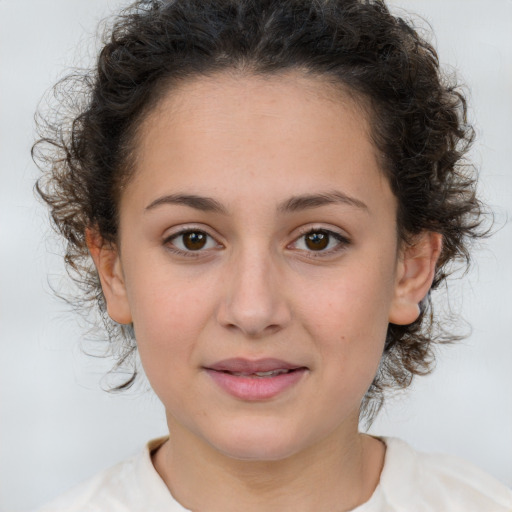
268, 192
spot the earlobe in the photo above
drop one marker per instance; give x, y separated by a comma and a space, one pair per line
108, 264
415, 273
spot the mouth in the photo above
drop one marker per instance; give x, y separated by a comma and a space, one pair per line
255, 380
259, 367
261, 375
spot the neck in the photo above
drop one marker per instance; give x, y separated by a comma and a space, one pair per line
339, 473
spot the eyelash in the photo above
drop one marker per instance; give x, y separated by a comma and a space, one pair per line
343, 242
188, 253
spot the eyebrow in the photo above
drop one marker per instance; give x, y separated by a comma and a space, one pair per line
204, 204
294, 204
308, 201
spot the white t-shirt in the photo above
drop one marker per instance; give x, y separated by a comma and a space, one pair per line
410, 482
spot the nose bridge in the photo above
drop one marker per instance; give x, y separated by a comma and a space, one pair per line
253, 301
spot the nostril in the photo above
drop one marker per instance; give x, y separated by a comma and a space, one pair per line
252, 304
254, 332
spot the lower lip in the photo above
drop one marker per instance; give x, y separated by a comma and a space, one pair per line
256, 388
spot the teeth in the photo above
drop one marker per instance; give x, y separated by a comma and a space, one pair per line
271, 373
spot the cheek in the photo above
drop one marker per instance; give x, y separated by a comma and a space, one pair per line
354, 304
348, 318
169, 313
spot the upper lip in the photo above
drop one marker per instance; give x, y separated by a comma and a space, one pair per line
241, 365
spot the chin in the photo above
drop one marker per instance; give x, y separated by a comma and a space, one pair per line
258, 441
251, 450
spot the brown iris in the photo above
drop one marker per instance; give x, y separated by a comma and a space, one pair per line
317, 240
194, 240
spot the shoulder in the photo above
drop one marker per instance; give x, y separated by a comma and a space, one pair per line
130, 486
413, 480
89, 495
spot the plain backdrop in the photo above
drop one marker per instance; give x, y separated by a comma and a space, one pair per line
58, 427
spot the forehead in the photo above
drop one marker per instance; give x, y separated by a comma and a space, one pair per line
234, 97
288, 133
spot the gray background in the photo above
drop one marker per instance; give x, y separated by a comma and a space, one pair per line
58, 427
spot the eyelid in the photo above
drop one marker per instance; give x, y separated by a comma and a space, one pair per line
344, 241
167, 241
313, 228
179, 229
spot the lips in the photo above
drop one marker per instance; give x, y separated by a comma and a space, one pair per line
270, 373
261, 379
248, 367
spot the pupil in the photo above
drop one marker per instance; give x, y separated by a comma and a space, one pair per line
194, 240
317, 241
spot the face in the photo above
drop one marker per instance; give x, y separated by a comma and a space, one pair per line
258, 262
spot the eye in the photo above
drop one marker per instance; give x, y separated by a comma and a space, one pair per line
321, 240
191, 240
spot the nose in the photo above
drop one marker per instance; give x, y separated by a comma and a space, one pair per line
253, 301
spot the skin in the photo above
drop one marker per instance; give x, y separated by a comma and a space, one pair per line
258, 290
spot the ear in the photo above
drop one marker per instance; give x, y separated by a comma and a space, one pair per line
415, 273
108, 264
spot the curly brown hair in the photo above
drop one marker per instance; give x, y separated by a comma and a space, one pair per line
418, 122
